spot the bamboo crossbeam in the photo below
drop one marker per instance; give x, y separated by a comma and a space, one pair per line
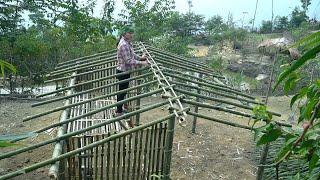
83, 66
93, 59
77, 63
190, 68
90, 146
90, 90
103, 108
92, 81
81, 74
173, 55
198, 78
86, 57
184, 64
179, 60
229, 111
210, 85
220, 100
217, 93
87, 101
65, 136
219, 120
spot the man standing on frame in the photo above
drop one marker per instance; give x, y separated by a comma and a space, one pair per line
127, 60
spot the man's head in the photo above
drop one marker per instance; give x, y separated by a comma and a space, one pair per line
127, 33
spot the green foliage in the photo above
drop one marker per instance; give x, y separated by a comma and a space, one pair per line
281, 23
6, 144
6, 66
266, 27
300, 142
298, 17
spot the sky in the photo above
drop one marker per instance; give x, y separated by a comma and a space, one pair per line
209, 8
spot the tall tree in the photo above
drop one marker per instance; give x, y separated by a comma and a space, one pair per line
297, 17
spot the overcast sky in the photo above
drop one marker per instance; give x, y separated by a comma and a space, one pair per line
209, 8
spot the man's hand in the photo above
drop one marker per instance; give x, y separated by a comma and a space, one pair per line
145, 63
143, 57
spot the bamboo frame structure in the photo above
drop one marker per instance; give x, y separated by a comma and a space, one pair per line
93, 143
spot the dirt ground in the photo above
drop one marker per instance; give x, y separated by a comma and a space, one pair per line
216, 151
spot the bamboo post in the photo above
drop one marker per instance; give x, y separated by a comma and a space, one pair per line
168, 148
138, 102
58, 148
196, 108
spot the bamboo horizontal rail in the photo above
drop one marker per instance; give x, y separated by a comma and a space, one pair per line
86, 57
173, 55
90, 146
229, 111
164, 64
81, 74
220, 100
93, 59
86, 61
90, 90
184, 64
190, 68
179, 59
103, 108
220, 121
217, 93
209, 85
65, 136
92, 81
83, 66
198, 78
87, 101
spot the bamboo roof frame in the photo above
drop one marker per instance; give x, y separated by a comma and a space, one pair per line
164, 68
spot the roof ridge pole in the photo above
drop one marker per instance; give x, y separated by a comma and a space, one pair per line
57, 151
160, 77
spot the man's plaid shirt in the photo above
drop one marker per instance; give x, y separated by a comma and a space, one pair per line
127, 59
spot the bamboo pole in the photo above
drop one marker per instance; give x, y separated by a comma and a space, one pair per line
200, 79
77, 63
89, 90
179, 60
217, 93
168, 148
80, 74
219, 121
221, 100
85, 57
210, 85
86, 101
186, 67
65, 136
173, 55
91, 81
58, 148
229, 111
97, 143
82, 67
103, 108
88, 58
185, 64
196, 108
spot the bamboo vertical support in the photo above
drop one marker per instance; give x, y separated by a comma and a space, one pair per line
154, 149
196, 109
119, 158
168, 149
150, 152
54, 169
139, 155
129, 157
123, 156
145, 153
138, 101
135, 151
